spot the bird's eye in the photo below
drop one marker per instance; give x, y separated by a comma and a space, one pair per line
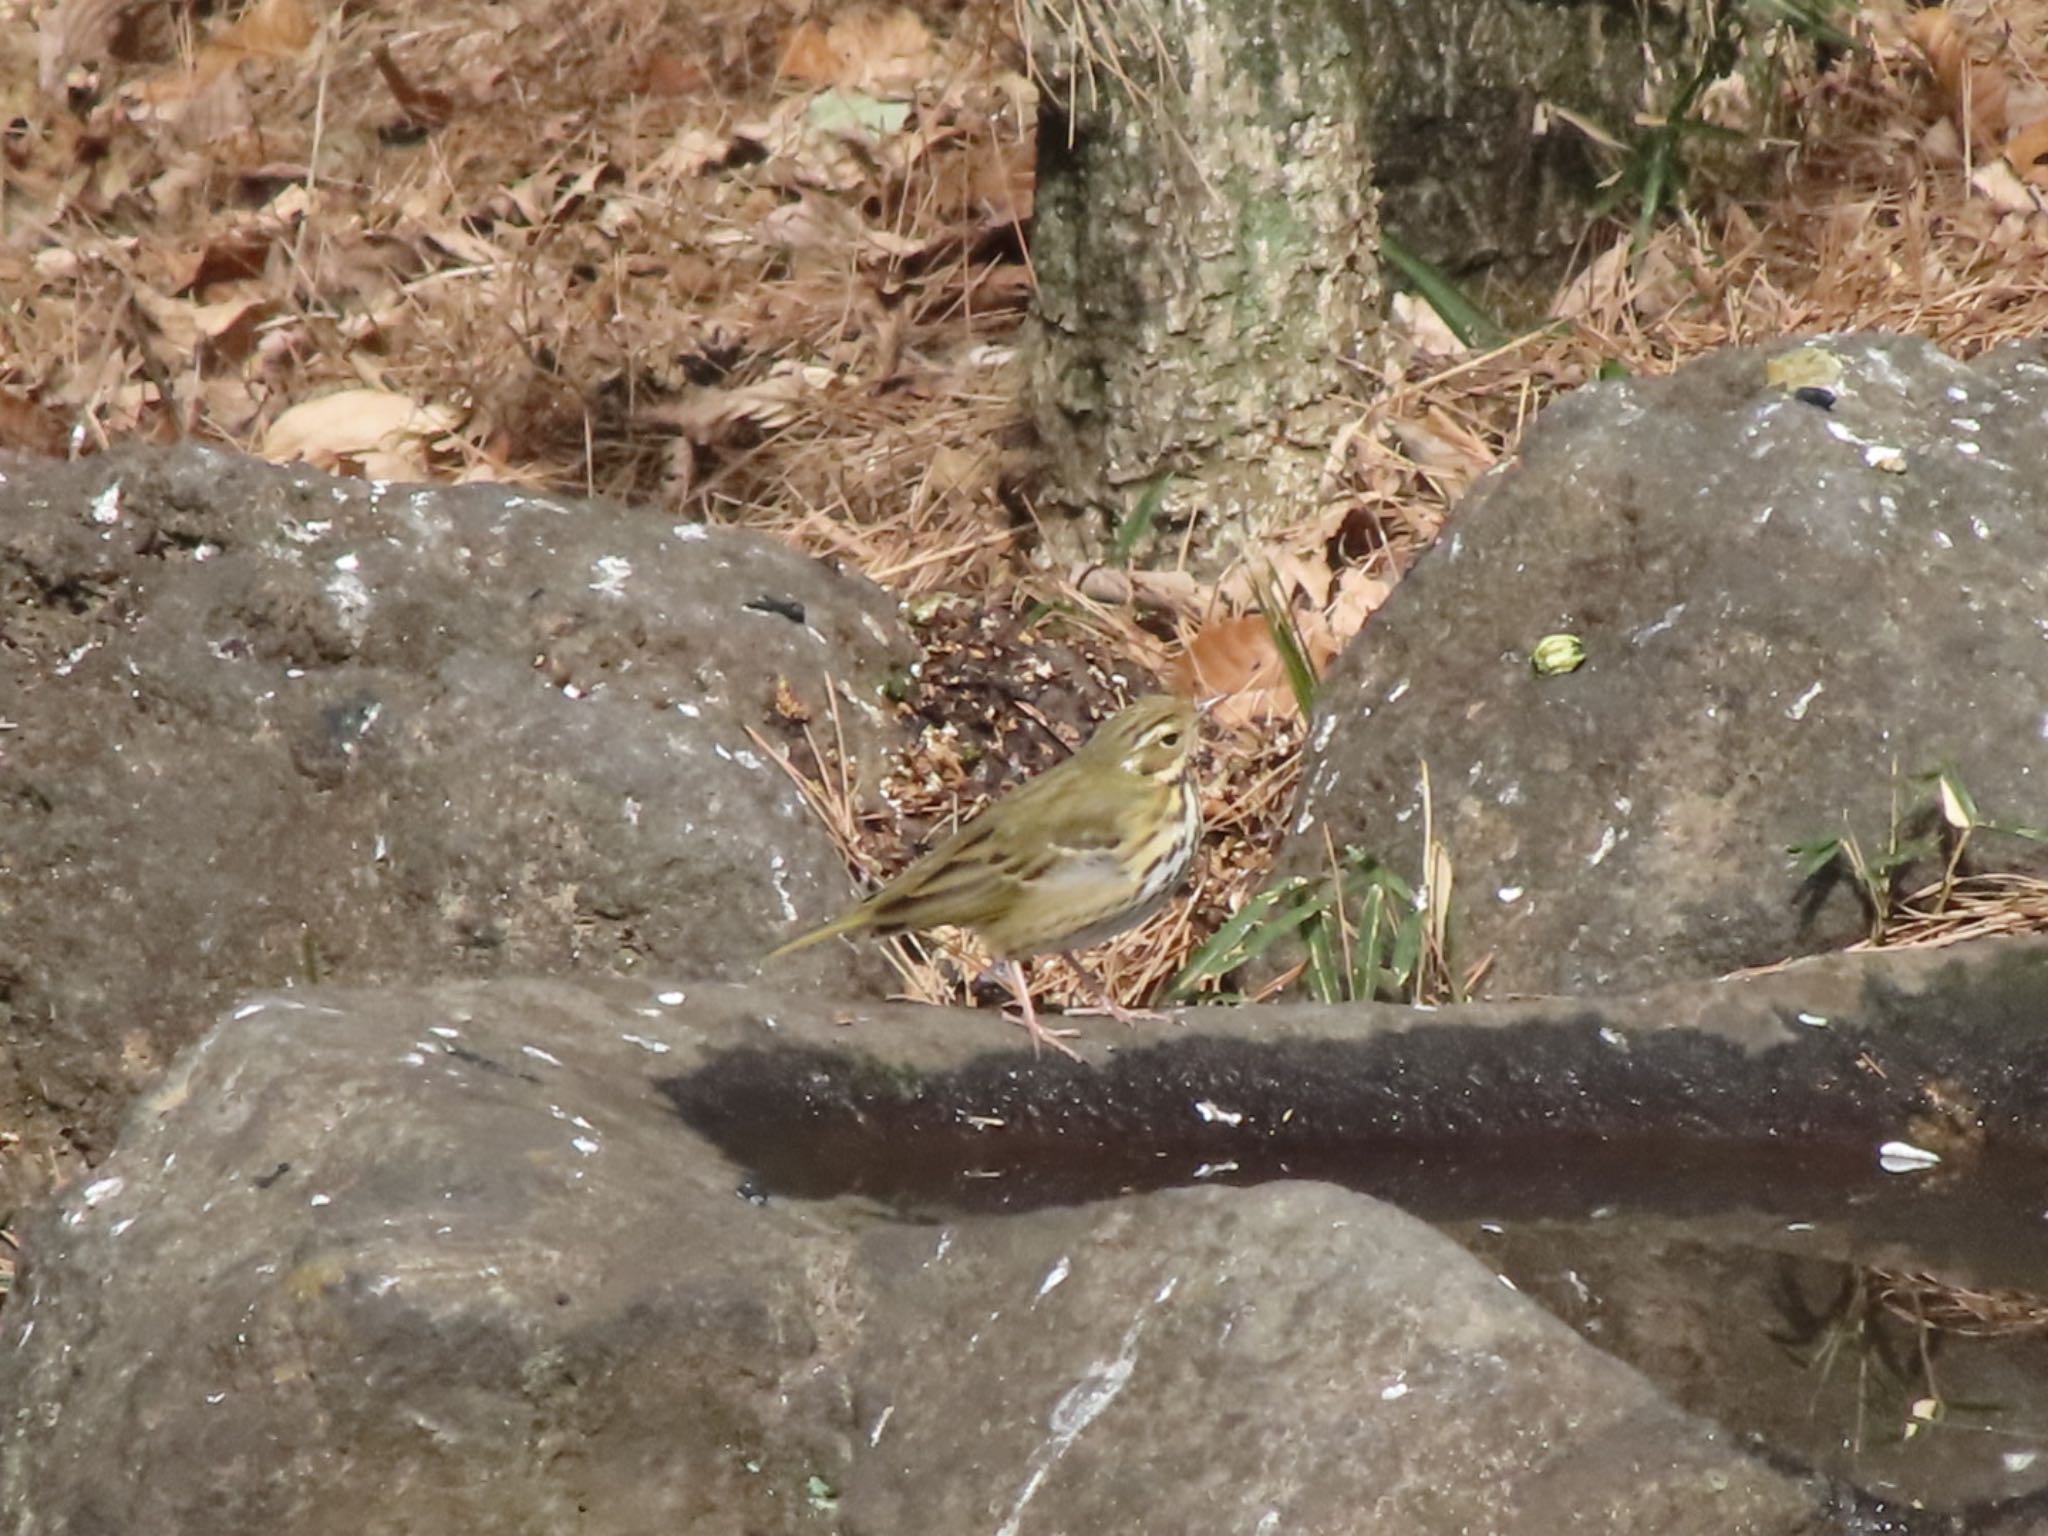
1169, 738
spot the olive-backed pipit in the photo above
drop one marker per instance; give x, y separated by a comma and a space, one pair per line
1087, 849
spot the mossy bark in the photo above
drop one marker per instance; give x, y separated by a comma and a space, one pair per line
1207, 225
1204, 245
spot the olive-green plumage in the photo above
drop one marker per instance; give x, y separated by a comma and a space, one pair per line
1088, 848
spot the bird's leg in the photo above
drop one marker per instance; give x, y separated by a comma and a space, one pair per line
1040, 1035
1107, 1004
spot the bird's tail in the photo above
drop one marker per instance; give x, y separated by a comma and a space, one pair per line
847, 922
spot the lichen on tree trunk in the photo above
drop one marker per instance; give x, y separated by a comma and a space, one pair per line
1204, 247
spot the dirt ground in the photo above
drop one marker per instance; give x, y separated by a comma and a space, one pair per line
765, 262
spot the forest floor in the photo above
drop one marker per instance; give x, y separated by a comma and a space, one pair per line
763, 263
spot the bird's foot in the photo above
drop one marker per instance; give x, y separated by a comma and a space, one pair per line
1107, 1005
1041, 1036
1110, 1008
1027, 1016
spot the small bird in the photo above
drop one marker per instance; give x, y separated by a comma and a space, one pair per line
1087, 849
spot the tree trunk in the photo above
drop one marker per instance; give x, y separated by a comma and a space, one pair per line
1207, 225
1204, 246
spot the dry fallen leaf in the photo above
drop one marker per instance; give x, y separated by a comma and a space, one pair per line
1175, 592
664, 74
29, 427
231, 255
207, 100
423, 106
2001, 184
1416, 318
1975, 92
868, 49
2027, 151
383, 433
689, 155
1444, 450
75, 32
270, 29
1598, 293
1234, 667
809, 56
962, 469
1289, 571
228, 324
1309, 575
1359, 596
1230, 655
712, 415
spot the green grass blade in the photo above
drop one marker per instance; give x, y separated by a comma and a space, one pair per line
1301, 672
1813, 22
1218, 953
1910, 852
1308, 905
1254, 930
1468, 322
2014, 829
1138, 521
1324, 973
1407, 958
1369, 946
1810, 858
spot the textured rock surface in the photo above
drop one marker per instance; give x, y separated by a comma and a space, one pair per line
1774, 620
490, 1240
462, 1238
269, 725
1293, 1356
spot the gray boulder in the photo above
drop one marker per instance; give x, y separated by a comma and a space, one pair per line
517, 1257
448, 1261
267, 726
1781, 604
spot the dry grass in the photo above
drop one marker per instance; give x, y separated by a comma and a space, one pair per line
10, 1249
765, 265
1941, 1306
1972, 907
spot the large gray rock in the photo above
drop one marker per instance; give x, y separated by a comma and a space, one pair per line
268, 726
1780, 605
1292, 1357
500, 1257
492, 1265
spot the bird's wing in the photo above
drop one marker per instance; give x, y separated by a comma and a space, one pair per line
972, 878
1073, 820
967, 880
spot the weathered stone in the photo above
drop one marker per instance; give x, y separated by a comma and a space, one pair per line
1291, 1357
491, 1264
267, 726
491, 1240
1782, 604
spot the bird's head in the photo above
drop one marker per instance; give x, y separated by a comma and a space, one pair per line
1153, 738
